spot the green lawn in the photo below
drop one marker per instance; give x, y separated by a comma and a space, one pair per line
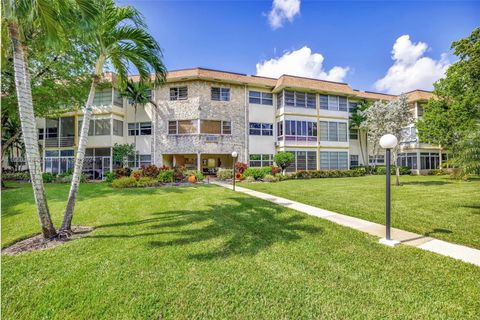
206, 252
435, 206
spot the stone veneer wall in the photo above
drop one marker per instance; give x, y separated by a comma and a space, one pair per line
199, 106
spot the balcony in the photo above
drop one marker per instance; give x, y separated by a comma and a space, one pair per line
60, 142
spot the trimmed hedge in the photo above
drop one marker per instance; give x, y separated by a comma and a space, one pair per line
312, 174
383, 170
258, 173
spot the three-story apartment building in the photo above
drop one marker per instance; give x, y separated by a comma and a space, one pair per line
202, 115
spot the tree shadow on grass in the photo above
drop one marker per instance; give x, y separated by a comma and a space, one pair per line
243, 228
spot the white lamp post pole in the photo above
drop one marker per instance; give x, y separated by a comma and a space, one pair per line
234, 157
388, 142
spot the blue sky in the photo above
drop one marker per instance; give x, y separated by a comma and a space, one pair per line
356, 36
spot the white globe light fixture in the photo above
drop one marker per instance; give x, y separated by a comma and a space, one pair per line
388, 141
234, 154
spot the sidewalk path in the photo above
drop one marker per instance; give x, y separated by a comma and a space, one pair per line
445, 248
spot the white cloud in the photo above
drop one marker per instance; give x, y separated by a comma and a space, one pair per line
411, 69
301, 62
283, 10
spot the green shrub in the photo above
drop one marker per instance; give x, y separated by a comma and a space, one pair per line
178, 173
165, 176
257, 173
223, 174
124, 182
19, 176
123, 172
269, 178
383, 170
284, 159
64, 179
195, 173
315, 174
48, 177
249, 179
109, 176
147, 182
438, 172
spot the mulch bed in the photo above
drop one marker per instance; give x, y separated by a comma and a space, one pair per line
39, 243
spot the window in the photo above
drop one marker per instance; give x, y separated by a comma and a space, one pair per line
280, 99
255, 129
179, 93
211, 126
172, 127
342, 131
379, 159
304, 160
323, 102
139, 128
102, 127
353, 160
342, 103
187, 126
264, 129
226, 127
407, 160
52, 128
220, 94
353, 134
429, 160
118, 127
103, 97
139, 160
91, 127
352, 106
257, 97
333, 160
420, 111
280, 128
300, 130
117, 98
333, 103
41, 132
260, 160
300, 99
333, 131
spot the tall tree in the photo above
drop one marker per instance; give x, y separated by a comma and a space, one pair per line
138, 94
22, 18
356, 120
120, 38
454, 112
388, 117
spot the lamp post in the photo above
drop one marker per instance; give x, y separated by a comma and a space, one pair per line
388, 142
234, 158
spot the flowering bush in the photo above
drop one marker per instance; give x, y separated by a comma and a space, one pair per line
240, 167
164, 168
137, 174
150, 171
276, 170
238, 176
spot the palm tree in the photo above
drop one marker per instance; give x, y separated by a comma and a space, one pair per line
356, 120
20, 18
137, 95
120, 38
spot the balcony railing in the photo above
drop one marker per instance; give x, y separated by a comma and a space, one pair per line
59, 142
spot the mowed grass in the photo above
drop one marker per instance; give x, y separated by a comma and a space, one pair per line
435, 206
205, 252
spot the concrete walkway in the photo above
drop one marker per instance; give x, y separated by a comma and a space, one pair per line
445, 248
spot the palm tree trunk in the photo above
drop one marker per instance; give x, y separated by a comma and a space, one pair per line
29, 131
66, 227
135, 136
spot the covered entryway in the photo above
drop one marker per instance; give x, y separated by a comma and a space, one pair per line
206, 163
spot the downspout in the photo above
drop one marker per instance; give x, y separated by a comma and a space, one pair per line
317, 97
246, 126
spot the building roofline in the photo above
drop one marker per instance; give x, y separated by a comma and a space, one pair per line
308, 78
